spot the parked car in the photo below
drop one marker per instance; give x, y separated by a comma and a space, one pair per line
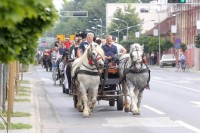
168, 60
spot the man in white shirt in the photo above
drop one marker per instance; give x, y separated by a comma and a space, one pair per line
120, 48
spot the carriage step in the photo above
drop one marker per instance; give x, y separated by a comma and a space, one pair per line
112, 81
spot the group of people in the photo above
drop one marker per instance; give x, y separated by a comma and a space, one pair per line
110, 47
65, 52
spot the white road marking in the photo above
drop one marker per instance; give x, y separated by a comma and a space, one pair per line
190, 127
140, 122
197, 103
154, 110
187, 88
45, 79
183, 82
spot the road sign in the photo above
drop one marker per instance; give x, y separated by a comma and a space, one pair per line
73, 13
176, 1
178, 41
61, 36
72, 37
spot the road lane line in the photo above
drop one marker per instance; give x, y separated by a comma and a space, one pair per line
188, 126
154, 110
187, 88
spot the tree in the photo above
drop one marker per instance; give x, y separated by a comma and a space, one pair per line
28, 20
197, 41
96, 10
132, 20
183, 47
146, 1
150, 43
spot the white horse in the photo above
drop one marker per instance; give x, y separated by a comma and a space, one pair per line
85, 71
135, 76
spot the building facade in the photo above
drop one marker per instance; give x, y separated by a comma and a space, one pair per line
186, 16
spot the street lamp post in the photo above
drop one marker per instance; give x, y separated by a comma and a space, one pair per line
95, 24
133, 26
103, 27
96, 29
117, 29
159, 51
101, 24
126, 25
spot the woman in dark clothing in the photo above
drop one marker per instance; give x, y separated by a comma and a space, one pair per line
74, 48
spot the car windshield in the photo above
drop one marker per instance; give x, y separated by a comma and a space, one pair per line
168, 56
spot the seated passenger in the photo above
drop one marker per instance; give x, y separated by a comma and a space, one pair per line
120, 48
110, 50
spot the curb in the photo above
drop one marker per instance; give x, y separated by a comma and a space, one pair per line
35, 119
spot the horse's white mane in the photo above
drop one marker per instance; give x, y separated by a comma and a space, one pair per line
83, 57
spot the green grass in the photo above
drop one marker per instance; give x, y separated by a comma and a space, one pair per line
24, 82
24, 88
17, 114
22, 100
17, 126
23, 94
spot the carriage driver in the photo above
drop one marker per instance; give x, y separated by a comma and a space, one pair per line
83, 45
110, 50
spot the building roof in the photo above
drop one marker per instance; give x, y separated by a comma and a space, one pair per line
165, 26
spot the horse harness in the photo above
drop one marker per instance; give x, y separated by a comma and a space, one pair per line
91, 62
134, 71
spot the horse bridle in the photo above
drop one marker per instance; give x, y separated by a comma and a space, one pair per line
96, 58
131, 56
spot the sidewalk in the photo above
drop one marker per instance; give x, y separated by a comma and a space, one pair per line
27, 107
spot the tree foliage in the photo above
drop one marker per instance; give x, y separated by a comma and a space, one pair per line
23, 22
96, 10
132, 20
197, 41
183, 46
150, 43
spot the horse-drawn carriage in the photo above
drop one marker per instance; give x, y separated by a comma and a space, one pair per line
89, 85
109, 87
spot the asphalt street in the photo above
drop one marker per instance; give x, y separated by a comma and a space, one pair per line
171, 105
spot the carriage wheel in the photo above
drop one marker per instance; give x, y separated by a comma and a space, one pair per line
119, 101
75, 98
63, 87
67, 91
112, 103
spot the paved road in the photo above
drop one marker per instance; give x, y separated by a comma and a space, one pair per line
172, 105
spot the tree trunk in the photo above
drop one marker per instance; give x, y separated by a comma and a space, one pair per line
11, 90
1, 88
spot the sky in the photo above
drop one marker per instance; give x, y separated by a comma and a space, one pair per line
58, 4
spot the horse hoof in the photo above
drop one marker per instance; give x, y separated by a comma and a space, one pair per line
136, 112
85, 115
126, 110
80, 109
